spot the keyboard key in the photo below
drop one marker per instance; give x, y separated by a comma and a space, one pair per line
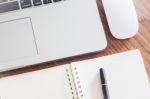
1, 1
56, 0
37, 2
47, 1
25, 3
11, 6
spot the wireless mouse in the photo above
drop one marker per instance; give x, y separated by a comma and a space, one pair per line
121, 17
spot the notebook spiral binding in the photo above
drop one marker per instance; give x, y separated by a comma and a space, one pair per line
71, 84
75, 86
77, 83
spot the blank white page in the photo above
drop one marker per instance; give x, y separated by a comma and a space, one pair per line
125, 73
43, 84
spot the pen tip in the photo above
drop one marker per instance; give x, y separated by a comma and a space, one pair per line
102, 76
101, 69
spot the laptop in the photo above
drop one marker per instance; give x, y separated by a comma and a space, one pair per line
37, 31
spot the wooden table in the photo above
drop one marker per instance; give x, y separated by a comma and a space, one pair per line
140, 41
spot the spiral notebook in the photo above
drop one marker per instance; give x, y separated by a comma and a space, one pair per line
126, 76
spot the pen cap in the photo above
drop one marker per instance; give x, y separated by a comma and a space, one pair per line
102, 76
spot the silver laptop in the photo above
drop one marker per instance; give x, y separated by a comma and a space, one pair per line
36, 31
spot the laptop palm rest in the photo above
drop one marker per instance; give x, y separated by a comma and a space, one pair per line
17, 40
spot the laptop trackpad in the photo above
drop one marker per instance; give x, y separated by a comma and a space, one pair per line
16, 40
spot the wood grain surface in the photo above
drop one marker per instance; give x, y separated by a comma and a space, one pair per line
140, 41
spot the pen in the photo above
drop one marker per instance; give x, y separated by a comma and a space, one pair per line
104, 83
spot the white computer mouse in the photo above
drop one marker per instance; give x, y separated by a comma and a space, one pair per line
121, 17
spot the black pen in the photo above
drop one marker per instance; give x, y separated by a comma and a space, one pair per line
104, 83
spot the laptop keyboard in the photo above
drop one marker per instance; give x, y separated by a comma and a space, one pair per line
12, 5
